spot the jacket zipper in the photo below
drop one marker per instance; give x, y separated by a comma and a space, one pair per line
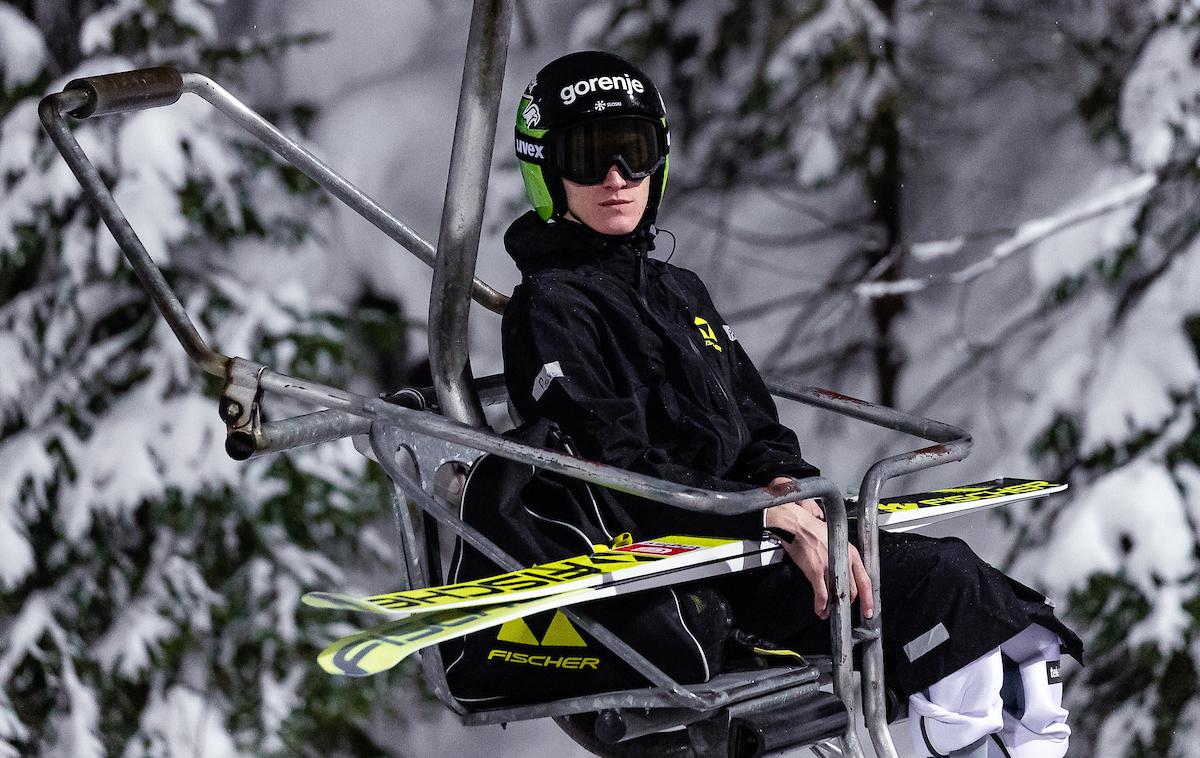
639, 287
721, 386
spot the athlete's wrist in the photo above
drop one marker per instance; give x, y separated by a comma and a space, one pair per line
793, 518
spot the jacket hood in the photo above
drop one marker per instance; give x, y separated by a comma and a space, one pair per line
536, 245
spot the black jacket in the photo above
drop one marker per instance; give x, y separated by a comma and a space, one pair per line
629, 356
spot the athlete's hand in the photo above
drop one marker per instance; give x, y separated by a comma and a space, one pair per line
781, 485
809, 549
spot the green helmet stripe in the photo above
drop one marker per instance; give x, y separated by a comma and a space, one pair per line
662, 187
536, 190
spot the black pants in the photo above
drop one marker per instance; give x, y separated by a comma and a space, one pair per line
942, 606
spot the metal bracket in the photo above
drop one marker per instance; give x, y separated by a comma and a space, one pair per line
429, 453
240, 406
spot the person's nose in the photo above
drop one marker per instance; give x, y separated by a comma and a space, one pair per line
613, 179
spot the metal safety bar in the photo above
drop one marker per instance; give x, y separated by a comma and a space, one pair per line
953, 444
153, 87
462, 212
738, 686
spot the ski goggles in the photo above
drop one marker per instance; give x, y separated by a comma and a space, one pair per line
585, 152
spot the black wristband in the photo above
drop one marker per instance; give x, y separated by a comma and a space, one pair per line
777, 535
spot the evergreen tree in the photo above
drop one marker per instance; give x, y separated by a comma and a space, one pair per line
149, 585
1072, 339
1120, 413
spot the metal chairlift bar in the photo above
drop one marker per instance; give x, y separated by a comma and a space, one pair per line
955, 444
142, 88
909, 423
462, 211
873, 685
659, 490
337, 185
639, 698
50, 111
79, 99
328, 425
298, 431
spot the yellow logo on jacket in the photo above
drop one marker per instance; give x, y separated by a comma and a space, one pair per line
708, 333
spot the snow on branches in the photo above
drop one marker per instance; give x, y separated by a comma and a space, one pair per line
149, 583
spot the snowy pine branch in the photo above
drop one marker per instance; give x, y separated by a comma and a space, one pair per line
1025, 237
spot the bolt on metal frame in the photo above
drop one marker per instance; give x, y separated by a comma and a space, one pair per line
411, 444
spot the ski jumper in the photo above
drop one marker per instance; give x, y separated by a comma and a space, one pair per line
630, 358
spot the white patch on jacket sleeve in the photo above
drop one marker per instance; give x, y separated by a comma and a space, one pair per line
544, 377
729, 332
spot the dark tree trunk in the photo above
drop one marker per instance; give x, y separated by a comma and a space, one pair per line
60, 23
884, 181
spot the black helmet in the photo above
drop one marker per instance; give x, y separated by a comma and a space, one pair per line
583, 113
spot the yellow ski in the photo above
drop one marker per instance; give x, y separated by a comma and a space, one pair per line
624, 560
439, 614
376, 650
627, 560
379, 649
907, 512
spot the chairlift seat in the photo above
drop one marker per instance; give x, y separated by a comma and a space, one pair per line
736, 712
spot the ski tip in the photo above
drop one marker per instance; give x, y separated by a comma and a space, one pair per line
333, 660
366, 653
336, 602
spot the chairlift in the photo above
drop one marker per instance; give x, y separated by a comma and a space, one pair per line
741, 713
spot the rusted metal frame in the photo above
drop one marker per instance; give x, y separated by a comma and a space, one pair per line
766, 682
337, 185
146, 88
51, 110
462, 211
953, 444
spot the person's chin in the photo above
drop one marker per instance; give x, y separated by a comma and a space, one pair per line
617, 225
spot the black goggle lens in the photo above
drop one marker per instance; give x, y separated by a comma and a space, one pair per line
585, 152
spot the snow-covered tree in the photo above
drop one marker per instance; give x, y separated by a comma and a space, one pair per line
1059, 324
148, 584
1072, 343
1118, 407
